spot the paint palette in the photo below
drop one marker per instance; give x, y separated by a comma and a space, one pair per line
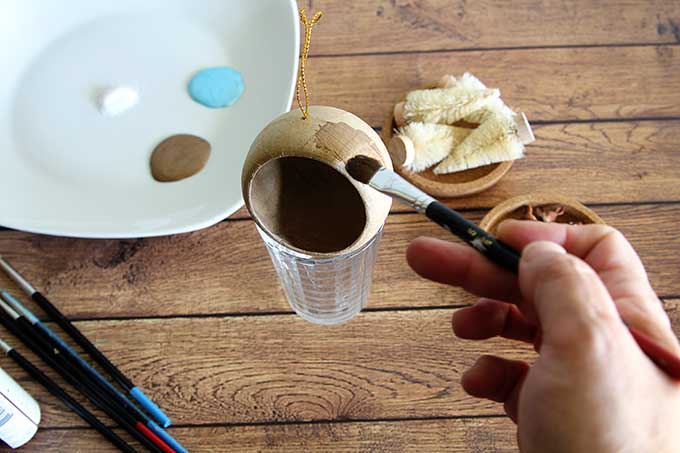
69, 170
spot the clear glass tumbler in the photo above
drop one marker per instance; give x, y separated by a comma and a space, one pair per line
324, 290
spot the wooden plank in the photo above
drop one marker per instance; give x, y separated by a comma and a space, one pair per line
672, 306
612, 162
225, 269
381, 365
431, 436
395, 26
547, 84
595, 163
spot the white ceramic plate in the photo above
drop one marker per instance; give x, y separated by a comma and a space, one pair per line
65, 169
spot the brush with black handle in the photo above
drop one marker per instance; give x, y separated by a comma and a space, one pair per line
369, 171
68, 327
67, 399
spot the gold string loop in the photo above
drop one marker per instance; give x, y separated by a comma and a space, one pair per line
303, 59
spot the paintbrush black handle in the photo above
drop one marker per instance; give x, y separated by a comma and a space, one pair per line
486, 244
105, 390
65, 398
98, 357
101, 359
21, 329
81, 339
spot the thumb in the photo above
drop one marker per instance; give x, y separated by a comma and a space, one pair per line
567, 299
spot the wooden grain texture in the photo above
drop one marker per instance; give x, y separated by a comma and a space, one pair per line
672, 306
547, 84
381, 365
336, 388
407, 25
612, 162
430, 436
225, 269
595, 163
258, 369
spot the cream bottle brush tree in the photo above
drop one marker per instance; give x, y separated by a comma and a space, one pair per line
499, 138
426, 144
443, 105
426, 130
471, 83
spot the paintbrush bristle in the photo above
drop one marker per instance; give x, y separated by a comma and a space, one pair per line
362, 168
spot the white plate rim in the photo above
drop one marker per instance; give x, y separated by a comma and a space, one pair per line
188, 227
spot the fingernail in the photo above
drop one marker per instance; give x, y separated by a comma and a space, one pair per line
540, 249
483, 301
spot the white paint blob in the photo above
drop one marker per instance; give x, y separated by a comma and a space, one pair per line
115, 101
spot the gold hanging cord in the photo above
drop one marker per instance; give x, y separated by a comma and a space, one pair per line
303, 59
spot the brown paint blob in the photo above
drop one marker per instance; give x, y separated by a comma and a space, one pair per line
307, 204
178, 157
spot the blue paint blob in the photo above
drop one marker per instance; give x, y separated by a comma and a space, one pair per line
216, 87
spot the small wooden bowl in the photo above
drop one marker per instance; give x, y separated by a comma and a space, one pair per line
515, 208
458, 184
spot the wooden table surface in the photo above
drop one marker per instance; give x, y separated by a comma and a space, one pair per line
199, 321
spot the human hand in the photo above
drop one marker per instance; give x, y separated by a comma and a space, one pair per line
591, 389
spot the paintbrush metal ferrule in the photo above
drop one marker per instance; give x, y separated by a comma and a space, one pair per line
19, 307
13, 314
5, 347
389, 182
16, 277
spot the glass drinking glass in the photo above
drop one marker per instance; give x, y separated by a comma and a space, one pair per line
321, 228
324, 290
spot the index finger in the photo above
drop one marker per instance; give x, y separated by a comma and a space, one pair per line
461, 265
601, 246
617, 264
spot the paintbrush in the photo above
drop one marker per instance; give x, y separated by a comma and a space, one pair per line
65, 398
31, 323
52, 311
20, 328
369, 171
